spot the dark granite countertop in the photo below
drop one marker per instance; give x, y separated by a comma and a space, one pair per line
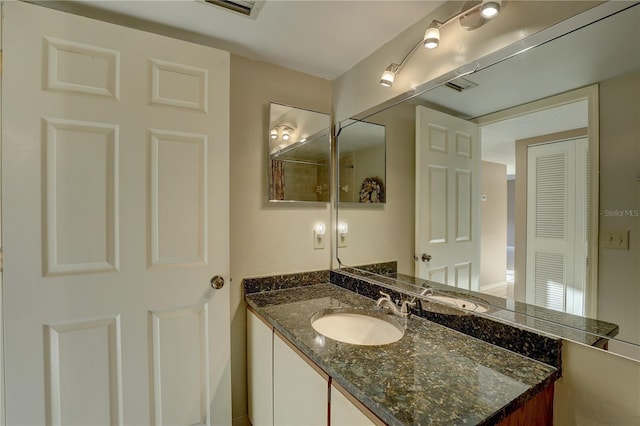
431, 376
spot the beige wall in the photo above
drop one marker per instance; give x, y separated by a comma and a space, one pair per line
493, 225
265, 238
597, 388
619, 270
368, 163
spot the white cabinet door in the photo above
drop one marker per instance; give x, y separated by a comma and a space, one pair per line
259, 371
300, 392
345, 413
115, 217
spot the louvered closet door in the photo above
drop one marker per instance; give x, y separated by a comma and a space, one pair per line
556, 225
115, 217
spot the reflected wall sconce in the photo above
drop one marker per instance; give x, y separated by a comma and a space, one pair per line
343, 230
319, 230
473, 15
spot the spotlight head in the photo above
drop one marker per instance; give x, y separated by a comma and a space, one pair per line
432, 36
389, 75
490, 8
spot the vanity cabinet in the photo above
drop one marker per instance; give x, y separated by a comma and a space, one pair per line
344, 411
300, 390
286, 388
259, 371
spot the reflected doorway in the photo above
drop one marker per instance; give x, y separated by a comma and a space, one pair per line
499, 133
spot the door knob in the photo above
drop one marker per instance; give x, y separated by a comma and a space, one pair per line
426, 257
217, 282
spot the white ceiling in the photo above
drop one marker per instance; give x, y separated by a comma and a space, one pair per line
323, 38
499, 139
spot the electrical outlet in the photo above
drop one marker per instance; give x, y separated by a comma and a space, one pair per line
618, 239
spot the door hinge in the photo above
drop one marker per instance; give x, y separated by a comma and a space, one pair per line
1, 62
1, 260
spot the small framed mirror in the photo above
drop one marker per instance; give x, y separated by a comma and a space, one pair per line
362, 163
299, 154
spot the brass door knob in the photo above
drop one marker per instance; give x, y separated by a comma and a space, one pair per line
217, 282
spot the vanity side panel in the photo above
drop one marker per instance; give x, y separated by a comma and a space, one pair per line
538, 411
259, 370
597, 387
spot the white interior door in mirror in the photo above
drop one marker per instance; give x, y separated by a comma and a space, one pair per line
115, 189
448, 196
556, 225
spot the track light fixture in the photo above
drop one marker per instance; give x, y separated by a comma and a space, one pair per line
283, 132
485, 9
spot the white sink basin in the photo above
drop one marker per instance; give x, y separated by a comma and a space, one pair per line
460, 303
357, 327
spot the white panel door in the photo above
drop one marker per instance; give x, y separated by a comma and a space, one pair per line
447, 199
115, 197
557, 225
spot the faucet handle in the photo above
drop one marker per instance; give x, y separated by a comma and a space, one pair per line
385, 295
384, 299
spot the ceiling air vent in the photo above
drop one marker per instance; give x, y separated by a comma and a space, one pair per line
249, 8
460, 84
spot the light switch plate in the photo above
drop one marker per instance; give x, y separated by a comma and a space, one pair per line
617, 239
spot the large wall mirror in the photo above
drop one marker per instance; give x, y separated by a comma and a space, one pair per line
520, 184
299, 154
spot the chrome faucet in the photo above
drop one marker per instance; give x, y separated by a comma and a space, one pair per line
403, 311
